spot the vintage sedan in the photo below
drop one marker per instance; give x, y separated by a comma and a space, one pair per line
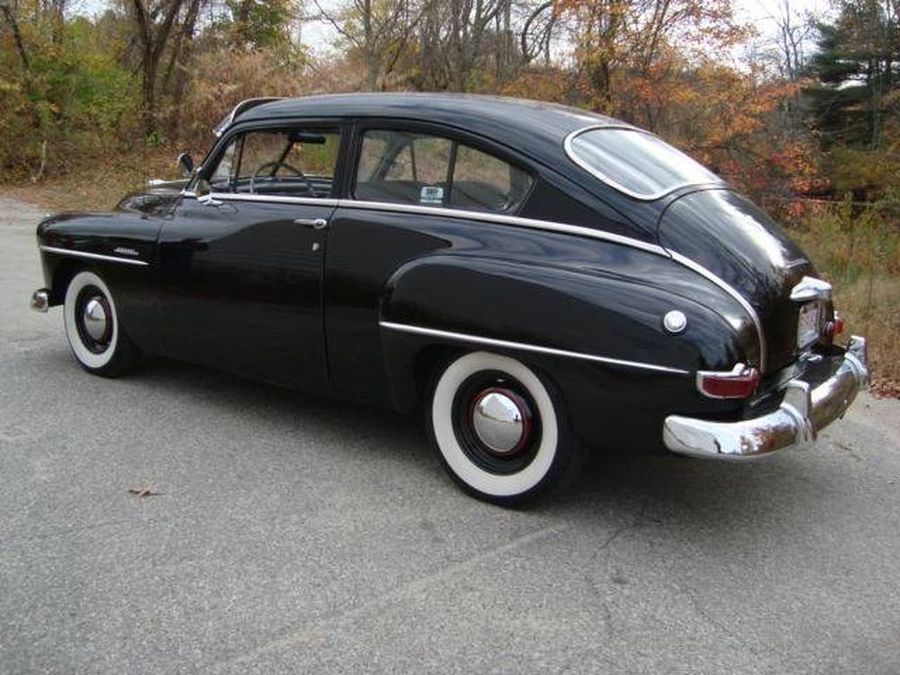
539, 280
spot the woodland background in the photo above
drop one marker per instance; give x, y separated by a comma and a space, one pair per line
95, 97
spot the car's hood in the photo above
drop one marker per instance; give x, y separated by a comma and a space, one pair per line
157, 199
735, 240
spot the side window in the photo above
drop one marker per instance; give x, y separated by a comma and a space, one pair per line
222, 179
485, 183
408, 168
283, 162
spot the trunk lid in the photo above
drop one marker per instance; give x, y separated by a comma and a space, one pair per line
735, 240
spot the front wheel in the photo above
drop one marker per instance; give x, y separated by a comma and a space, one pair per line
93, 328
499, 431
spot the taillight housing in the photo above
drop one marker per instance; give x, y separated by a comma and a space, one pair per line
834, 327
740, 382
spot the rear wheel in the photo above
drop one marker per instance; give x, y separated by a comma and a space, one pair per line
93, 328
499, 431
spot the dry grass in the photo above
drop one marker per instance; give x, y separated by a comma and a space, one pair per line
96, 184
859, 253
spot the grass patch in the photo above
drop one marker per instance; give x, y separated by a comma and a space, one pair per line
96, 184
858, 251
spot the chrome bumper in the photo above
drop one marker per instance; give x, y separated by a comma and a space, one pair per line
802, 414
40, 300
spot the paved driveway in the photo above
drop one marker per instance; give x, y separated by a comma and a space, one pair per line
294, 534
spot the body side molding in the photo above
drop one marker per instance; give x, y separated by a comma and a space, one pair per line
551, 351
93, 256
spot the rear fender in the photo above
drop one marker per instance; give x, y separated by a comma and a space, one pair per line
605, 323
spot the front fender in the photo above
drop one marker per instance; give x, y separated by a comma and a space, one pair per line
121, 247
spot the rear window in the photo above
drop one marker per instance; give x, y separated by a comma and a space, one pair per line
635, 162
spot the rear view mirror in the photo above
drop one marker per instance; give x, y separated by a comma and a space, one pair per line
185, 165
308, 137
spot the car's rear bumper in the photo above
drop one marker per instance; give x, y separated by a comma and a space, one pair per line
802, 414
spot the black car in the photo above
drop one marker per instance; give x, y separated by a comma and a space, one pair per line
537, 278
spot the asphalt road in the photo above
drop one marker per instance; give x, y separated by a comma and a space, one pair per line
294, 534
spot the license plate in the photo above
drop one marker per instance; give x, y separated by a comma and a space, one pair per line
808, 324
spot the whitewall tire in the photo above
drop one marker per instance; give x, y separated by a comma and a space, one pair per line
498, 429
93, 328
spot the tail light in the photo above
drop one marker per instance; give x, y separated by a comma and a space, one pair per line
833, 328
740, 382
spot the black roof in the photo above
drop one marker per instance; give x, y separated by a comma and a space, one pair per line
512, 121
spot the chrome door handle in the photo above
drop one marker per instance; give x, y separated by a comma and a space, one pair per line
314, 223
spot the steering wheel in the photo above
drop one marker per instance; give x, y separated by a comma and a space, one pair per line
275, 166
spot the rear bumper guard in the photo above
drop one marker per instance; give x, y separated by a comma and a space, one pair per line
803, 413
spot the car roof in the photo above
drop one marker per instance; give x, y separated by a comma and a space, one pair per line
512, 121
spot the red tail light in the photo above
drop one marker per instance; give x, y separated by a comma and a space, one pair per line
833, 328
738, 383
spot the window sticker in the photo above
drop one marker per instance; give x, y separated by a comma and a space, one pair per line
431, 195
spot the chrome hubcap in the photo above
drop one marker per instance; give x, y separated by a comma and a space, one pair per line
499, 421
96, 322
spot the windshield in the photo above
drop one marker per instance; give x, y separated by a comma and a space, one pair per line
635, 162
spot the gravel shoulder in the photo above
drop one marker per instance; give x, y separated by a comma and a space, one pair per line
296, 534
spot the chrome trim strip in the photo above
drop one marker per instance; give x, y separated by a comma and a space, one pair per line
274, 199
530, 223
92, 256
492, 342
570, 153
734, 293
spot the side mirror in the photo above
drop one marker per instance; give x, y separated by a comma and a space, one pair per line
185, 165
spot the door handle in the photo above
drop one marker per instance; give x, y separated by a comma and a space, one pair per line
314, 223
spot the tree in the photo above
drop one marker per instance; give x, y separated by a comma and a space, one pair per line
154, 22
377, 30
857, 69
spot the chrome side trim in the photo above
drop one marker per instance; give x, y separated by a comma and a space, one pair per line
531, 223
572, 155
92, 256
516, 221
734, 293
507, 344
273, 199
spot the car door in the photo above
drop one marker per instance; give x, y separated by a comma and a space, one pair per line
411, 193
242, 257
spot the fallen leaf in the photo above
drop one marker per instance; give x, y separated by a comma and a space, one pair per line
144, 491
